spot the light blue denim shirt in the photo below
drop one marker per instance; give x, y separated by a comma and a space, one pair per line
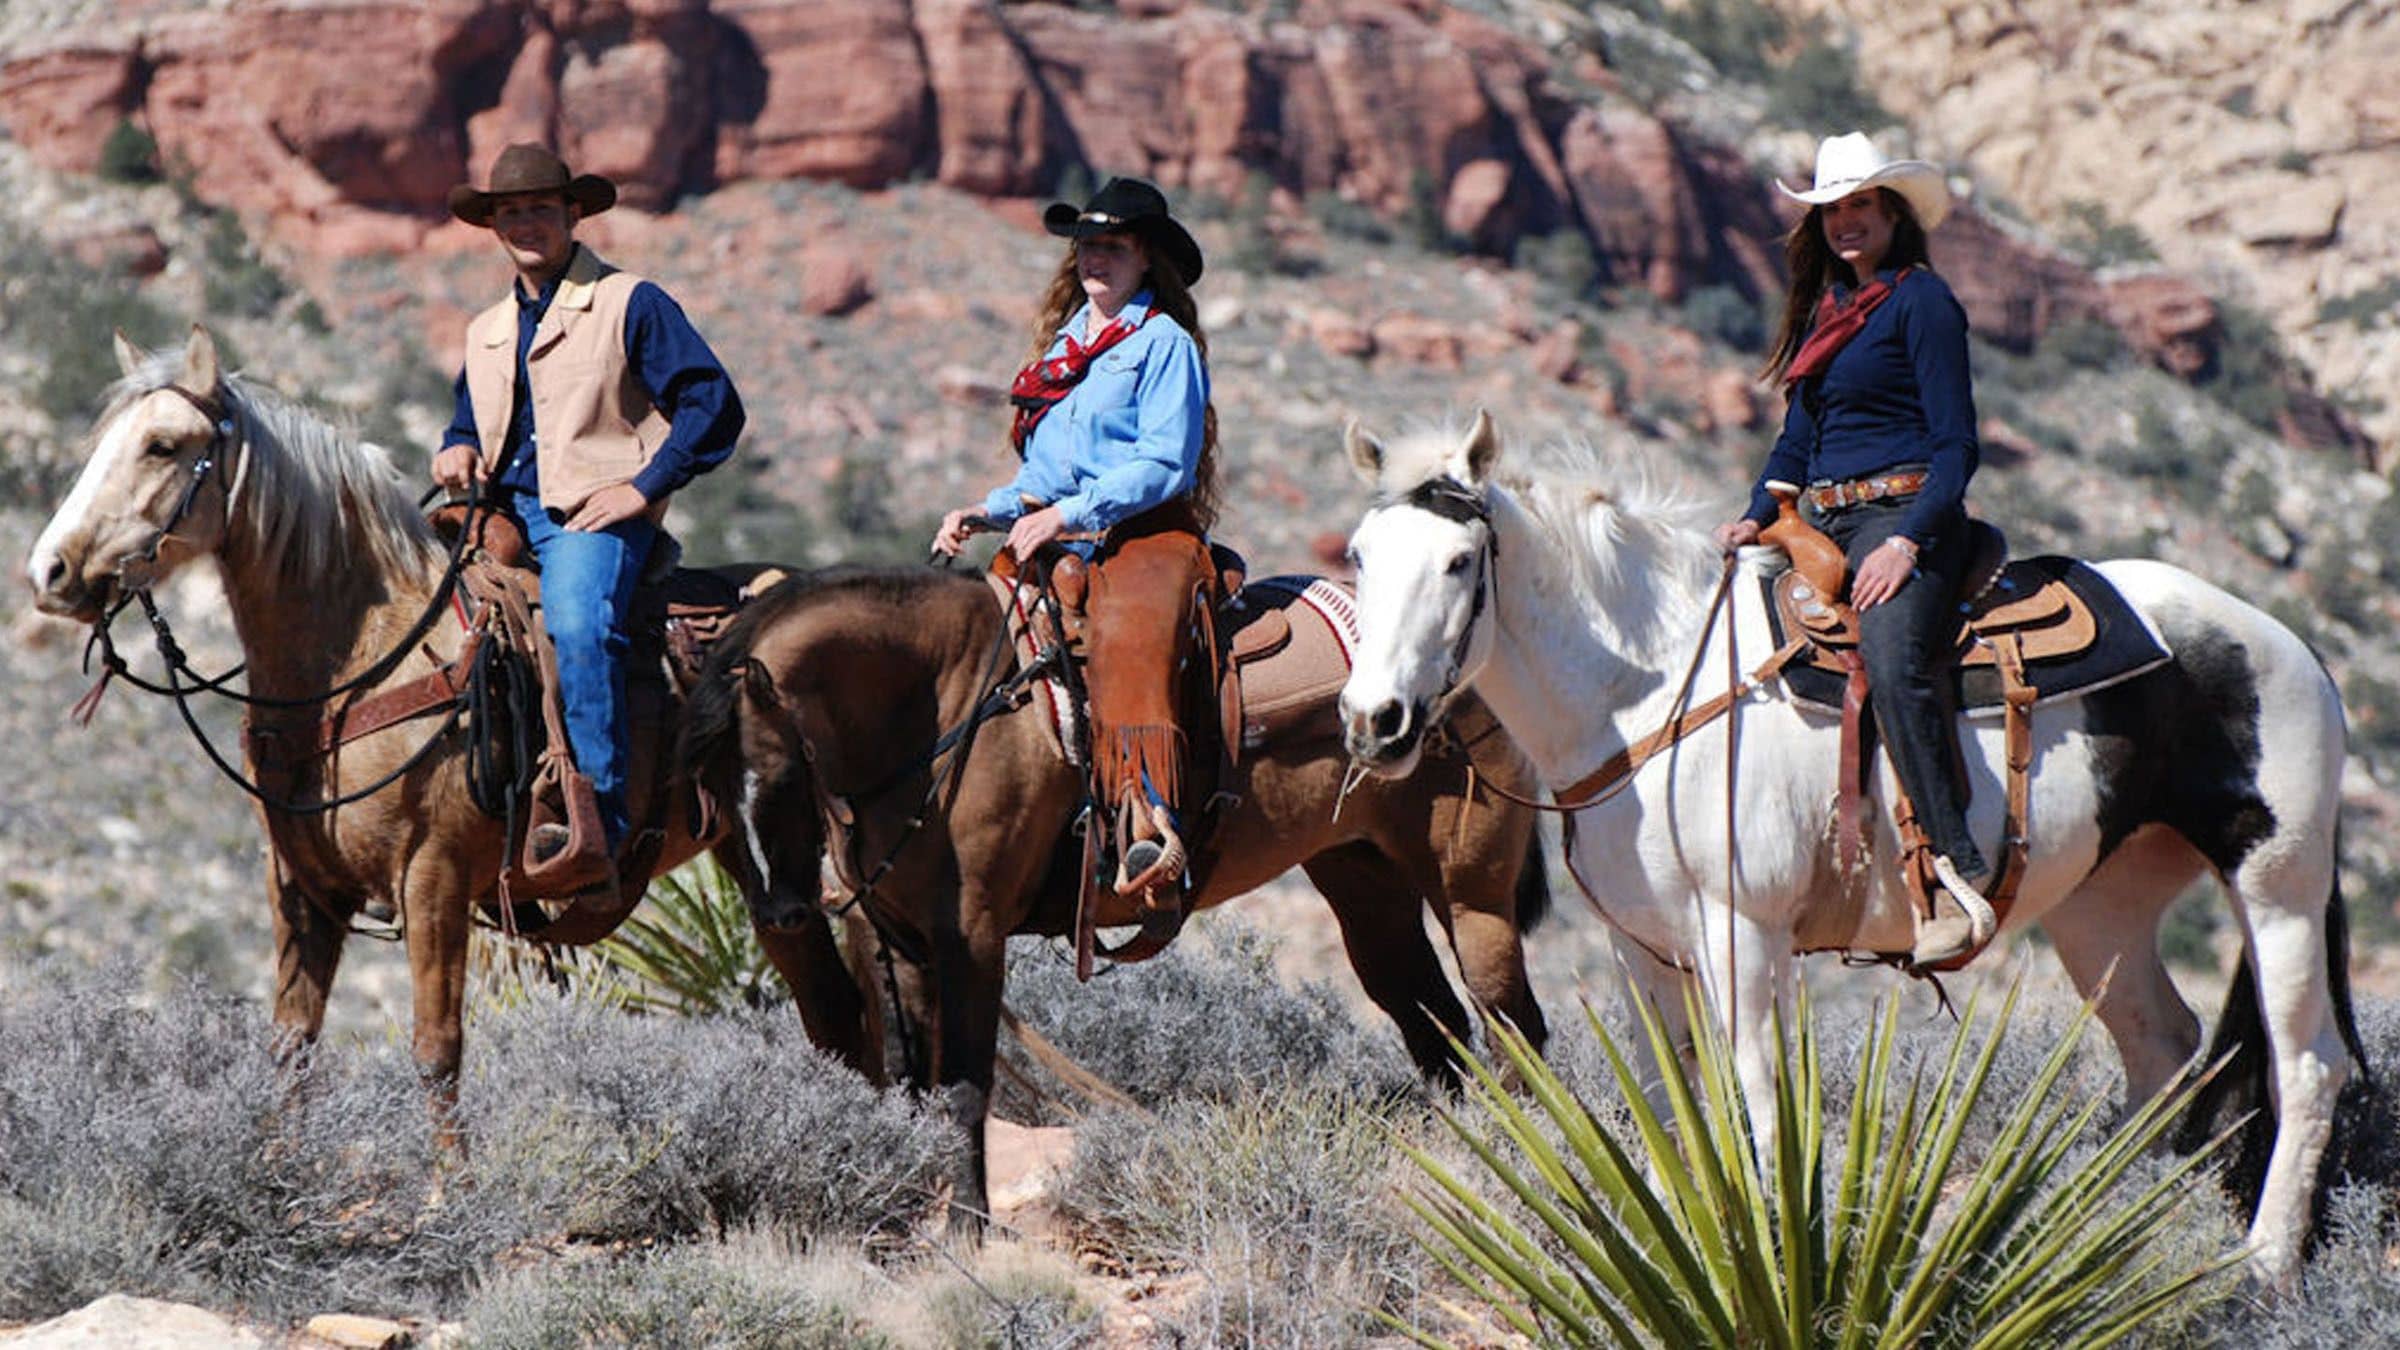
1124, 440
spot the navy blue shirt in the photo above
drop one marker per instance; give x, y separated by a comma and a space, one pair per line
1897, 394
682, 376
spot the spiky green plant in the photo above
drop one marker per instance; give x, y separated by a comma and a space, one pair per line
1684, 1234
689, 949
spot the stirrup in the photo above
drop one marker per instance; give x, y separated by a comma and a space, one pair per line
1166, 870
1937, 939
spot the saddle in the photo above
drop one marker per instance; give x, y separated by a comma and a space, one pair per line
2030, 631
677, 615
1281, 651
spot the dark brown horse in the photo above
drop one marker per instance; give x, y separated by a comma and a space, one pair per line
824, 698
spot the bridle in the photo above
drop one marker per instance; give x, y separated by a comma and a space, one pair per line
1453, 500
223, 442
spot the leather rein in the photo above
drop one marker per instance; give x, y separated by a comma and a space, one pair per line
442, 688
1453, 500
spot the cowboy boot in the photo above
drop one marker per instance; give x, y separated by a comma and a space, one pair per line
1962, 922
1154, 861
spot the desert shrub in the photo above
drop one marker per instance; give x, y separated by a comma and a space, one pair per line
1348, 218
2187, 932
159, 1148
1818, 85
676, 1297
1564, 262
1724, 313
1011, 1297
238, 283
129, 155
58, 314
2373, 705
2176, 456
2087, 232
1282, 1201
670, 1127
2250, 369
1204, 1019
2363, 307
2081, 344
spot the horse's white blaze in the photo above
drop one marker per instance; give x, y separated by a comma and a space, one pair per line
76, 516
1600, 601
750, 835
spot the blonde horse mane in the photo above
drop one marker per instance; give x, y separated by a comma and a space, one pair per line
310, 498
1622, 528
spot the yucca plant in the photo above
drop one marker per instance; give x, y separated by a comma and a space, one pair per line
1684, 1234
689, 949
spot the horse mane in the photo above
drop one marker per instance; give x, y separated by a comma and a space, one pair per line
1622, 527
312, 496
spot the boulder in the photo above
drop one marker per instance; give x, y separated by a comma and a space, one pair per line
1420, 341
2166, 318
121, 1322
828, 89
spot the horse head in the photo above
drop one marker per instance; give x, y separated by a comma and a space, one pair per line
157, 490
1424, 557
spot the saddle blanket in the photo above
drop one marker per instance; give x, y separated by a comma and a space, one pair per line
1291, 637
2123, 646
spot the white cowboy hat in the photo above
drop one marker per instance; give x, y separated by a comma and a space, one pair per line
1847, 164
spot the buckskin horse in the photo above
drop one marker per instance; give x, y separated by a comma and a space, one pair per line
822, 714
1579, 604
339, 594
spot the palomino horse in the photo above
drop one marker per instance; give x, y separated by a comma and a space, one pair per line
819, 713
1576, 606
328, 567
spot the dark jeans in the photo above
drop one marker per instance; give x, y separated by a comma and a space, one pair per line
1899, 640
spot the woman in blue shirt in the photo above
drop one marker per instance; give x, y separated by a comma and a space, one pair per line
1118, 443
1880, 425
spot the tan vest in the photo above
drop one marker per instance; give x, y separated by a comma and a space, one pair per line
593, 423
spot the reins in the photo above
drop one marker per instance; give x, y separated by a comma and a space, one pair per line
178, 665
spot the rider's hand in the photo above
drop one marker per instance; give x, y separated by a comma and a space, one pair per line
952, 537
609, 505
1033, 530
454, 466
1888, 567
1735, 533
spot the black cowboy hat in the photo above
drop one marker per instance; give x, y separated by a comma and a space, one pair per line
526, 167
1132, 205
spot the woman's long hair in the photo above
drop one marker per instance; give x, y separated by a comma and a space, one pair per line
1813, 267
1065, 296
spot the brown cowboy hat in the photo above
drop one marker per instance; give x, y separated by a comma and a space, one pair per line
526, 167
1129, 204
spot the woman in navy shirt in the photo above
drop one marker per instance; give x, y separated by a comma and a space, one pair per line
1880, 426
1118, 443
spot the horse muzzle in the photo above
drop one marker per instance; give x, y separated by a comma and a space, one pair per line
60, 588
1385, 738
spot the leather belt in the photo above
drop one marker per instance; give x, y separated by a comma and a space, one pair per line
1876, 487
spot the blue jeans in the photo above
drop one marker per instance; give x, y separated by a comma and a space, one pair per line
1898, 640
588, 578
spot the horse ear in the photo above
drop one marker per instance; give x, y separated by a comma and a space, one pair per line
200, 368
1366, 453
1482, 446
129, 357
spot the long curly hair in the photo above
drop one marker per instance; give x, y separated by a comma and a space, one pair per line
1813, 266
1065, 295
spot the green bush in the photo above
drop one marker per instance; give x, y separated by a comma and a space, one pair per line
1680, 1231
1724, 313
1564, 262
2363, 307
129, 155
2250, 369
689, 949
2099, 241
1346, 218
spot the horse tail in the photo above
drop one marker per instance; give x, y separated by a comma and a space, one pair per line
2337, 969
1533, 885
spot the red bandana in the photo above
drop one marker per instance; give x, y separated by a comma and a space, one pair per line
1836, 324
1040, 385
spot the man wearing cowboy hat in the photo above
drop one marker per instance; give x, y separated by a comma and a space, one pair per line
586, 399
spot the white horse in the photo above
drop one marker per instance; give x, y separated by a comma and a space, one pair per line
1577, 608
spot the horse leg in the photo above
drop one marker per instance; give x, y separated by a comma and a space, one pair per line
308, 949
1745, 973
969, 967
810, 961
2106, 932
1383, 930
2282, 894
1474, 885
437, 927
1667, 992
